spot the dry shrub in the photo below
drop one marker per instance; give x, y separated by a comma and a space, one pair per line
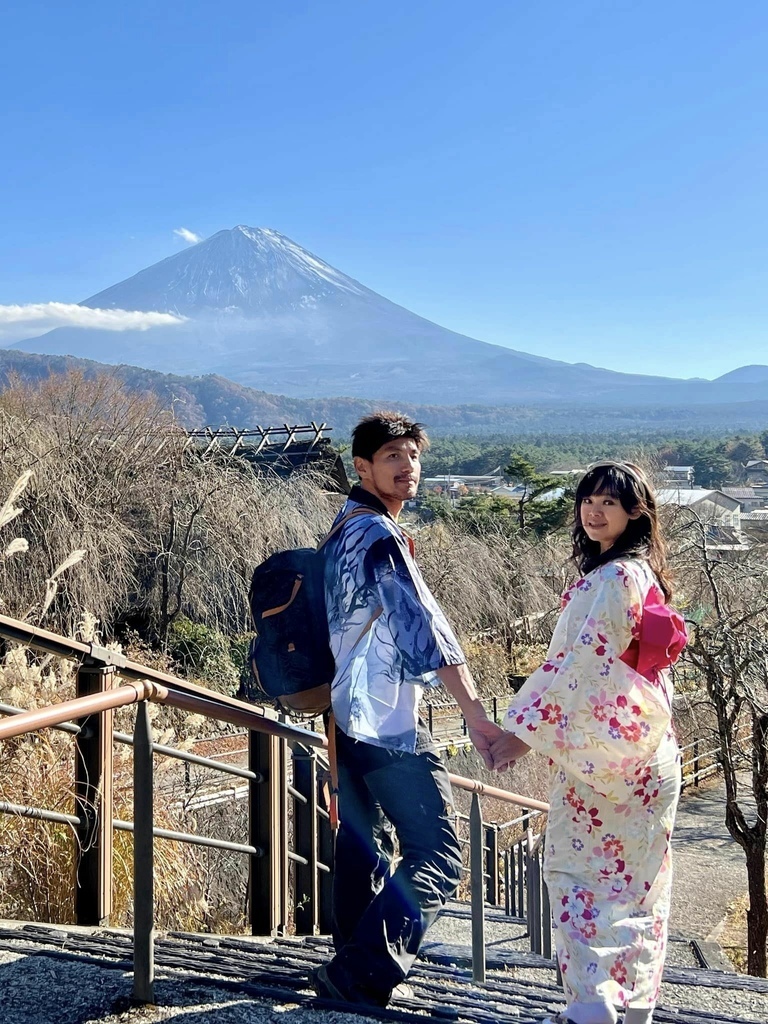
179, 868
526, 658
38, 857
489, 585
491, 667
38, 770
165, 531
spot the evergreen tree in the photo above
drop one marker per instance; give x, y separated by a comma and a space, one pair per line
534, 484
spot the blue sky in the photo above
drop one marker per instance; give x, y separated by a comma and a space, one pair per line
581, 179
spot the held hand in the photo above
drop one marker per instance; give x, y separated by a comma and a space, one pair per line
483, 733
506, 749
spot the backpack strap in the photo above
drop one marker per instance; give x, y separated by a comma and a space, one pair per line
362, 511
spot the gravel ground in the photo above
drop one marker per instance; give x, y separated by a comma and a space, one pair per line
39, 990
45, 988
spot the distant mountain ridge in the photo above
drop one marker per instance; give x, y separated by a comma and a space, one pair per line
753, 374
215, 401
266, 313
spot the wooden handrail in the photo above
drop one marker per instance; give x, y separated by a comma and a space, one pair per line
482, 789
166, 689
75, 650
56, 714
206, 702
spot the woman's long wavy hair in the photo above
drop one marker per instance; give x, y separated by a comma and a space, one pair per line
628, 484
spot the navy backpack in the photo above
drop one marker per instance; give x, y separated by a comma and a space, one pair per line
290, 657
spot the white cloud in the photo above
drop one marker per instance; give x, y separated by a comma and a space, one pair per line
187, 235
29, 320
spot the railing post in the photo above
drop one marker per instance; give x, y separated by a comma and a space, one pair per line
534, 895
529, 897
430, 718
512, 883
546, 922
507, 885
305, 840
282, 787
492, 864
477, 889
266, 834
521, 901
143, 866
696, 762
93, 802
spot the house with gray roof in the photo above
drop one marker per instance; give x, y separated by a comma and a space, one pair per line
718, 512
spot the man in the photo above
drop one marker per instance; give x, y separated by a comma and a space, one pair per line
389, 638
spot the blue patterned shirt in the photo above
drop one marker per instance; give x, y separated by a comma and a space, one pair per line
369, 569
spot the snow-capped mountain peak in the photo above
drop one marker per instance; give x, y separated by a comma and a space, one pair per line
265, 312
245, 270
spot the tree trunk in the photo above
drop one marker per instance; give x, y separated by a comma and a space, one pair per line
757, 914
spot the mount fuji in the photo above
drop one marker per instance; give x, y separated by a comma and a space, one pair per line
264, 312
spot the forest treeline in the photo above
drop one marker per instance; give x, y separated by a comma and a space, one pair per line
716, 460
213, 400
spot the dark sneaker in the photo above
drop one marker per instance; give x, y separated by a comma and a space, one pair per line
325, 988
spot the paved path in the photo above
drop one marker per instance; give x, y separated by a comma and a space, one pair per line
710, 870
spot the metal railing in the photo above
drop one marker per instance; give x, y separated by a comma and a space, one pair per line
107, 680
272, 800
89, 719
510, 878
701, 758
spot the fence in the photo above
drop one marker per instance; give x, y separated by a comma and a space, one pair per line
106, 680
279, 790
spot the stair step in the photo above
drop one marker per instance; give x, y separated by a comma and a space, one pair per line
278, 970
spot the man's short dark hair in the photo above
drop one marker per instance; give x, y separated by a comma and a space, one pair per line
381, 427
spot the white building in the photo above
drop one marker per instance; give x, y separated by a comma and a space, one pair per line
681, 475
520, 491
448, 482
756, 471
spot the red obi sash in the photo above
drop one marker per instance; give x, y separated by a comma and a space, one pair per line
661, 639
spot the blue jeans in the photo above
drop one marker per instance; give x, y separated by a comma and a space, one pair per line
380, 918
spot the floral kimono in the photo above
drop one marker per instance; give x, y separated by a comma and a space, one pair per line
614, 783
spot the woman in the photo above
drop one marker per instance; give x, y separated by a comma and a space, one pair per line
600, 708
